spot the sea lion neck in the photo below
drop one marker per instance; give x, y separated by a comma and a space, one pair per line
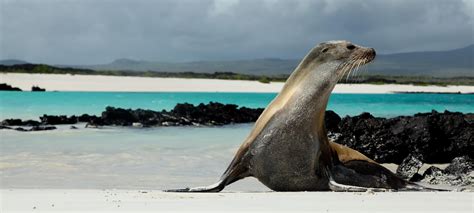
311, 95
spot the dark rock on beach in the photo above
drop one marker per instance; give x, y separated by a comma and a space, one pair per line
32, 129
435, 137
19, 122
215, 113
332, 120
182, 115
37, 89
90, 119
6, 87
460, 165
5, 127
458, 173
61, 119
42, 128
409, 167
211, 114
12, 122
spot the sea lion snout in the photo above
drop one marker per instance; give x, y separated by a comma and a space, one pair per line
372, 53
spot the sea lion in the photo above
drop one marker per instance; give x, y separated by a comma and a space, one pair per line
288, 148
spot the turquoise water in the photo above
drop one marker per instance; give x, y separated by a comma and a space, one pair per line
153, 158
121, 158
28, 105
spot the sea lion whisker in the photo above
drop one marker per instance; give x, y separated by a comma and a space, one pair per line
350, 70
361, 62
364, 68
357, 73
347, 69
354, 72
344, 69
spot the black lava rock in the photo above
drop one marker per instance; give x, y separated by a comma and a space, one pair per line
436, 137
118, 116
12, 122
19, 122
409, 167
91, 120
332, 120
34, 128
5, 127
55, 120
6, 87
458, 173
31, 123
182, 115
460, 165
37, 89
42, 128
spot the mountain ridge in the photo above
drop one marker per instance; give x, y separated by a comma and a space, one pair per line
449, 63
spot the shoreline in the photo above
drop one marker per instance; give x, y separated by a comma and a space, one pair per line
97, 83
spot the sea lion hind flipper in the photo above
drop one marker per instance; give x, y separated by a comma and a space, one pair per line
415, 187
337, 187
217, 187
234, 172
360, 176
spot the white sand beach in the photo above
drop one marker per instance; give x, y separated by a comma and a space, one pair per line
71, 200
53, 82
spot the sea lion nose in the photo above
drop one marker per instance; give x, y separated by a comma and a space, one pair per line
373, 51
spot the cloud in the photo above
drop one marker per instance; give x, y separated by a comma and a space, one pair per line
98, 31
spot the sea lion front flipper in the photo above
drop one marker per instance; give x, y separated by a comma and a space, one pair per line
235, 171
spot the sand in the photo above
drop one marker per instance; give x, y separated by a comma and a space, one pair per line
53, 82
70, 200
90, 200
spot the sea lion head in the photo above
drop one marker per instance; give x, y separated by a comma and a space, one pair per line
327, 63
341, 56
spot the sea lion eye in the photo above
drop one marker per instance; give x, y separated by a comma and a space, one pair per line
351, 46
325, 50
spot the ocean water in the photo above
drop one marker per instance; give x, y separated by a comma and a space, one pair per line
29, 105
153, 158
120, 158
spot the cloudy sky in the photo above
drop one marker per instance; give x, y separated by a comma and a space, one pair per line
99, 31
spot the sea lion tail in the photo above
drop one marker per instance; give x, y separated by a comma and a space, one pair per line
217, 187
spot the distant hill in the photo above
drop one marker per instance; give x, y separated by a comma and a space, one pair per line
9, 62
458, 62
372, 79
451, 63
255, 66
